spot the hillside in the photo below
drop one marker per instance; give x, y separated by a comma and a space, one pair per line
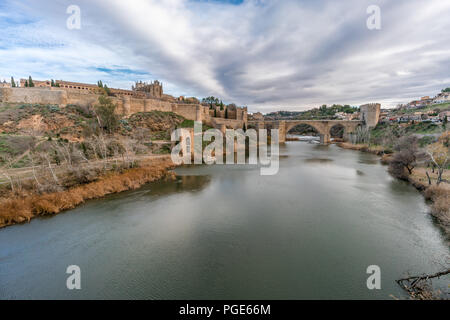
321, 113
434, 107
36, 128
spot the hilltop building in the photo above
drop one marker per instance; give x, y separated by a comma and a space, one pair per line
83, 87
152, 90
442, 97
5, 84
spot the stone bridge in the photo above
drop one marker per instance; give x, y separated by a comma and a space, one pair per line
323, 127
369, 116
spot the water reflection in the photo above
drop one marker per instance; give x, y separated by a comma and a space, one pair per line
318, 160
182, 183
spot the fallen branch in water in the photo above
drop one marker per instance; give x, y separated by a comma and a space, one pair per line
419, 287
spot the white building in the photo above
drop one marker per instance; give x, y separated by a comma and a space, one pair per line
442, 97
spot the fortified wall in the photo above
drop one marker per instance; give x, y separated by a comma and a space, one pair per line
33, 95
126, 105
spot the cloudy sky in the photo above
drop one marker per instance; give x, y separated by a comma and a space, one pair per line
268, 55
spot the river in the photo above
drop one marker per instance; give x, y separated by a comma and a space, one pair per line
226, 232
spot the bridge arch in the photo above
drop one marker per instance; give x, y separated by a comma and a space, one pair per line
338, 130
290, 126
303, 129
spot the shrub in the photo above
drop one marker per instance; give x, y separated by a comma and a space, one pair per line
105, 110
405, 156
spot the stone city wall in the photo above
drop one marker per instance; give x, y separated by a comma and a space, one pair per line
32, 95
126, 105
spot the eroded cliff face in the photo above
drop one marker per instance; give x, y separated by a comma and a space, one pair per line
155, 121
71, 121
39, 120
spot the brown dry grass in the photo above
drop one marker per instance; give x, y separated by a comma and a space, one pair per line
440, 195
419, 175
379, 150
20, 208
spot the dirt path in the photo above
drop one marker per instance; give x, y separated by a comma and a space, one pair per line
20, 157
26, 173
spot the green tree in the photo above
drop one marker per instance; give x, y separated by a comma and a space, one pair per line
30, 82
446, 90
106, 115
26, 83
107, 90
100, 83
212, 101
52, 83
215, 113
13, 83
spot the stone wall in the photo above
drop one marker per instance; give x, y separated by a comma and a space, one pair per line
78, 97
33, 95
126, 105
228, 123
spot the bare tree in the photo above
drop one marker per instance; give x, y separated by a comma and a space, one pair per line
33, 166
361, 135
45, 156
405, 157
439, 155
9, 161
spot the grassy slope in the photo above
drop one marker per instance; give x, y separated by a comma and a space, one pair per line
440, 106
69, 122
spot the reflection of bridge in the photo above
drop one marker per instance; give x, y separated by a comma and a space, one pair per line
369, 115
323, 127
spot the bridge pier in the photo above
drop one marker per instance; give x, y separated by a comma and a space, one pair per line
281, 131
325, 138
